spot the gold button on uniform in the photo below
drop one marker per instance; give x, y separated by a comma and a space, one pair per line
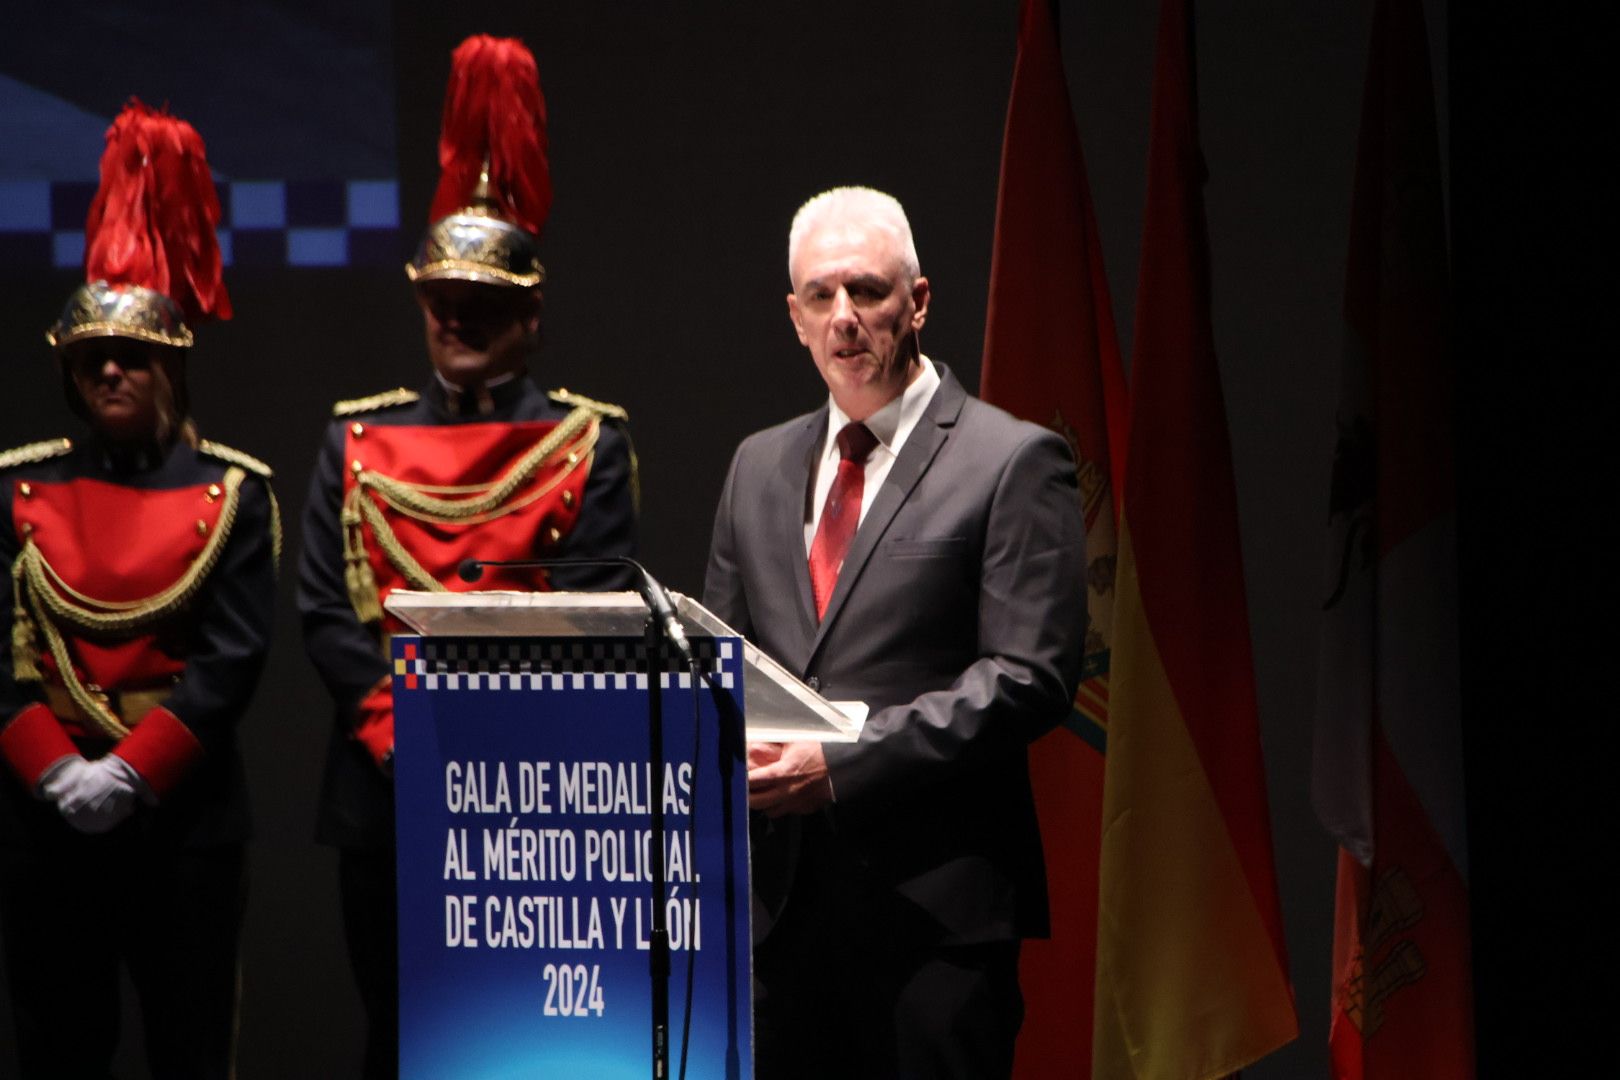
555, 535
357, 429
202, 527
27, 489
212, 493
568, 498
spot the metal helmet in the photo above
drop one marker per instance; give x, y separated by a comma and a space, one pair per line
152, 261
494, 190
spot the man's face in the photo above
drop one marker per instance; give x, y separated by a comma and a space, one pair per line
477, 332
115, 378
856, 312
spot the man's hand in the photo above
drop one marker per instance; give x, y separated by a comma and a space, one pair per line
787, 778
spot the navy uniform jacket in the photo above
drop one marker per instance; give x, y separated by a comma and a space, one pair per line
423, 432
123, 526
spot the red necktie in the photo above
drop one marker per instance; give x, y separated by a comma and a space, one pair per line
841, 514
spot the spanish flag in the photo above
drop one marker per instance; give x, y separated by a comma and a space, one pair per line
1192, 973
1388, 758
1051, 356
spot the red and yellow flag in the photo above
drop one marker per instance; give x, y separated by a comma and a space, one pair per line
1051, 355
1192, 973
1388, 761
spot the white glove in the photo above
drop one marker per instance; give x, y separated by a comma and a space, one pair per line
125, 773
68, 782
94, 796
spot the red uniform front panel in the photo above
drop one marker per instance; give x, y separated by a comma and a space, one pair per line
459, 456
118, 544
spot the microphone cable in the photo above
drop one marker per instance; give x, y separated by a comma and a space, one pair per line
698, 679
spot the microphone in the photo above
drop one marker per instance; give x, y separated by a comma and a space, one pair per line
653, 594
663, 611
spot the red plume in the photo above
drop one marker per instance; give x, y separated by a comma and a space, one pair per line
152, 222
493, 106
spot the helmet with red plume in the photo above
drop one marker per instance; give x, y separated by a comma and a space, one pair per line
152, 261
495, 182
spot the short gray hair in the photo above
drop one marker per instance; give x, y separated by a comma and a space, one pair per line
865, 204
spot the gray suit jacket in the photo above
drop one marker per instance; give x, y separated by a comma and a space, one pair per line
958, 618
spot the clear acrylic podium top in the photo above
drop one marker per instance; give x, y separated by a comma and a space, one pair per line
777, 707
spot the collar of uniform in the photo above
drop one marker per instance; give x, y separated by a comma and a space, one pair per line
125, 459
476, 403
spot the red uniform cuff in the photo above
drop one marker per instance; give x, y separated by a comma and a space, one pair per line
374, 728
161, 749
32, 741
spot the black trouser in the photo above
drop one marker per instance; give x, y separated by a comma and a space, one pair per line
850, 982
371, 927
74, 907
888, 1014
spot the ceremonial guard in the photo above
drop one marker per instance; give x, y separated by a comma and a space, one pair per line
142, 564
478, 463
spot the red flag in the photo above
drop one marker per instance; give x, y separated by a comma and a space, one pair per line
1388, 774
1051, 355
1192, 973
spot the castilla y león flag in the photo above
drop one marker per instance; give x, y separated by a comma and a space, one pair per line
1192, 973
1387, 775
1051, 356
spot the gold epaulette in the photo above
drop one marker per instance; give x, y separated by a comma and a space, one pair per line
579, 401
232, 456
388, 399
43, 450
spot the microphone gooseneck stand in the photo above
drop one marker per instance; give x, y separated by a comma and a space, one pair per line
662, 626
658, 940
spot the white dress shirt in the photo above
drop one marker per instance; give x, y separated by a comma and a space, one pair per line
892, 425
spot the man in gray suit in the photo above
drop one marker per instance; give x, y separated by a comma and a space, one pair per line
914, 549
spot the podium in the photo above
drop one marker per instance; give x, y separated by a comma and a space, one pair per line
524, 788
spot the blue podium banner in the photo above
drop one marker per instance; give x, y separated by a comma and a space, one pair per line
524, 784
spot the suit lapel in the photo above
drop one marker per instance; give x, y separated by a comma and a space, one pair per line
922, 446
787, 520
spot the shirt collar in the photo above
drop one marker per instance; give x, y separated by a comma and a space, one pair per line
891, 424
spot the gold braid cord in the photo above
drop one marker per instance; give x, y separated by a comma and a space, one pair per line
275, 530
612, 412
573, 441
42, 598
232, 456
